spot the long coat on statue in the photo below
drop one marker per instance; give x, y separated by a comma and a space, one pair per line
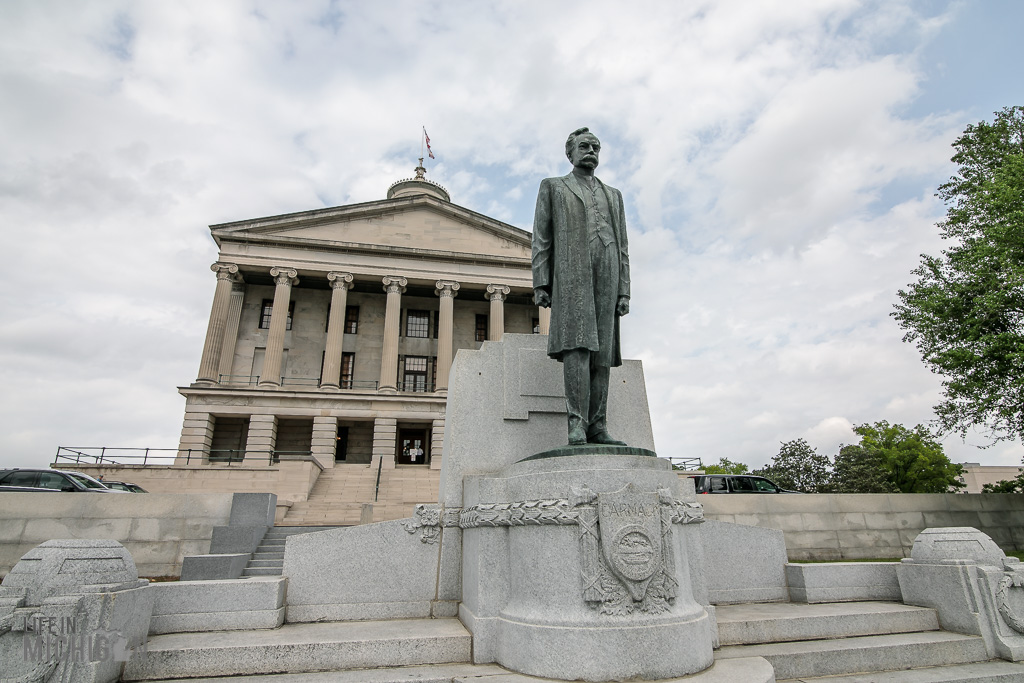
562, 264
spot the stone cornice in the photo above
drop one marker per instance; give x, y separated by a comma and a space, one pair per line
306, 244
332, 399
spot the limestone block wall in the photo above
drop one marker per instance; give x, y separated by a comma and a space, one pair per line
159, 530
291, 480
858, 526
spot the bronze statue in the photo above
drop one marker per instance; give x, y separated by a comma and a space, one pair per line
581, 271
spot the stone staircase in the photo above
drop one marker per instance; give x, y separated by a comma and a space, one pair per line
302, 648
857, 642
866, 642
339, 493
268, 559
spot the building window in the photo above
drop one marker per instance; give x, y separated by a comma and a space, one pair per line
536, 325
481, 327
348, 362
436, 323
414, 378
417, 324
351, 319
268, 310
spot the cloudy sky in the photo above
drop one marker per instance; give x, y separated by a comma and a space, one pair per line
778, 162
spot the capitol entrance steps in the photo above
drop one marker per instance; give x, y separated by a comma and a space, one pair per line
338, 496
856, 641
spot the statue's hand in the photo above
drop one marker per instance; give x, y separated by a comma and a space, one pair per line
622, 307
541, 297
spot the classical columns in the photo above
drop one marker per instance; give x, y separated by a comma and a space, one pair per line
210, 361
227, 354
496, 321
340, 284
284, 279
447, 290
394, 286
544, 318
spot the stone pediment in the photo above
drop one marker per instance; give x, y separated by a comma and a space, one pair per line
407, 224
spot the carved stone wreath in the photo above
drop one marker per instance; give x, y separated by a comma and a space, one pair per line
1003, 602
604, 588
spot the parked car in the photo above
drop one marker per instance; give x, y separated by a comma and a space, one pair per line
50, 480
735, 483
124, 486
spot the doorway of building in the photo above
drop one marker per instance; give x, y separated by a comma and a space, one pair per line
413, 447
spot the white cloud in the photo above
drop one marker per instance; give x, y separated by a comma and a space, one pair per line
778, 189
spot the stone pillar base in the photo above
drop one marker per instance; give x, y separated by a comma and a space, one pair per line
196, 438
436, 444
385, 435
324, 444
577, 568
262, 439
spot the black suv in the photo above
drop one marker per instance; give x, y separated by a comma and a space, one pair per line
50, 480
735, 483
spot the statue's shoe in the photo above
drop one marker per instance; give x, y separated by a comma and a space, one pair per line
577, 437
604, 438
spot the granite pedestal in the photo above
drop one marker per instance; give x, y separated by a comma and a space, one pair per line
575, 567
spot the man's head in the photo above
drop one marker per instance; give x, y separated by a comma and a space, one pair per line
583, 148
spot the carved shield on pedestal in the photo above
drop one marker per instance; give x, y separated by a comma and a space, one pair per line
630, 527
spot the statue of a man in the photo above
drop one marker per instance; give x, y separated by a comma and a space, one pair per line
581, 271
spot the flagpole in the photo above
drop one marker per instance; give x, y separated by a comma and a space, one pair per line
423, 132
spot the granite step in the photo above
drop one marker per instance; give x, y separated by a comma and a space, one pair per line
263, 571
995, 671
749, 624
299, 648
263, 562
864, 654
726, 671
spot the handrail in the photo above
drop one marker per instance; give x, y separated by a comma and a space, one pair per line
415, 387
380, 464
685, 463
254, 380
145, 456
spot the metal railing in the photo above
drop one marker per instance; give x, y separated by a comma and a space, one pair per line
236, 380
416, 387
685, 464
106, 455
314, 382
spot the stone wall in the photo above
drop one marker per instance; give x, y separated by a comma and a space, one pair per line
289, 480
857, 526
159, 530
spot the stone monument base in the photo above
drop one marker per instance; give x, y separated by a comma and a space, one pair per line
577, 568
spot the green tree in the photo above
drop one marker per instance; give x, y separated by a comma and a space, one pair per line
913, 460
799, 467
726, 466
860, 470
965, 312
1003, 486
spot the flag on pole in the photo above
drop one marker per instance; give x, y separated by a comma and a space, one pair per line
427, 138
